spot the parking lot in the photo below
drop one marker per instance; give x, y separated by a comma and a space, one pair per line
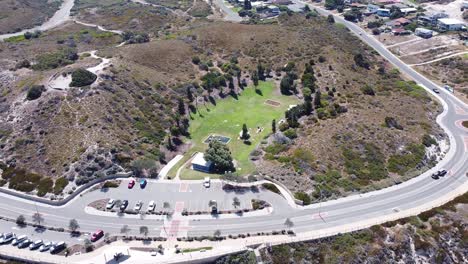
193, 197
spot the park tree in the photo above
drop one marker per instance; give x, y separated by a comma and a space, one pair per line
289, 223
73, 225
21, 220
261, 72
235, 202
287, 85
190, 94
144, 230
245, 132
181, 106
318, 99
37, 218
220, 155
255, 78
273, 126
125, 229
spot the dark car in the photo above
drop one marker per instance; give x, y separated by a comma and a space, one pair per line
442, 173
97, 235
124, 205
131, 184
143, 183
57, 247
436, 90
435, 176
24, 244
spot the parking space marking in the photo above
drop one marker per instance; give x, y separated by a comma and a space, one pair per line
179, 207
183, 187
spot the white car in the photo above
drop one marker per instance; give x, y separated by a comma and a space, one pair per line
45, 247
36, 244
151, 206
138, 206
207, 182
7, 238
110, 204
19, 239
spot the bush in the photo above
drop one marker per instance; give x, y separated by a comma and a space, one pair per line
35, 92
60, 184
111, 184
368, 90
56, 59
428, 141
82, 77
402, 163
20, 179
271, 187
44, 186
304, 197
290, 133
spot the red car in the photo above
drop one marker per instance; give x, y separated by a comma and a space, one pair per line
131, 184
97, 235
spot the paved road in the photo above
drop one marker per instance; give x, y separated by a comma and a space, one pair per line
230, 15
62, 15
409, 196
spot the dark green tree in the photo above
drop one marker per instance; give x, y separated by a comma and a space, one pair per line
330, 19
245, 132
273, 126
190, 94
318, 99
255, 78
247, 5
82, 77
220, 155
261, 72
181, 106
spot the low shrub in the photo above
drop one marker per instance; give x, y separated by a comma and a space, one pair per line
271, 187
82, 77
60, 184
34, 92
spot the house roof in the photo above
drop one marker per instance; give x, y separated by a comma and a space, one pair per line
199, 160
402, 20
450, 21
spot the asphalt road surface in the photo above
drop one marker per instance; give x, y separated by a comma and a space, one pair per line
417, 192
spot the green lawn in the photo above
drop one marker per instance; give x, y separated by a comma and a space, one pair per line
226, 119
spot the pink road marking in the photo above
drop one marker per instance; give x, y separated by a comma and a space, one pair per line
183, 187
179, 207
318, 216
460, 110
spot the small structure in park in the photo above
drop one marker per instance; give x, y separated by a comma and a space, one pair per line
200, 164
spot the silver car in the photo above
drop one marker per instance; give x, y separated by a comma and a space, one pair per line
45, 247
36, 244
19, 239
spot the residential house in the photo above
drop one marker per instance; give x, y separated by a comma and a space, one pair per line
383, 12
423, 32
431, 19
450, 24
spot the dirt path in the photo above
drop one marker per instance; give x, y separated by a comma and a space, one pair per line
439, 59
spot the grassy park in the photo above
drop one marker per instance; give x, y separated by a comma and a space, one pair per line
226, 119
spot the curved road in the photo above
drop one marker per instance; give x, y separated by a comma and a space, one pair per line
359, 211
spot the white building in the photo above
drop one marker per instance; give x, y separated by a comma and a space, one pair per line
450, 24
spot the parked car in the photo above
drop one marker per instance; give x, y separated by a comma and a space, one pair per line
110, 204
207, 182
138, 206
151, 206
45, 247
56, 248
143, 183
7, 238
97, 235
131, 184
435, 176
36, 244
124, 205
25, 243
19, 239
